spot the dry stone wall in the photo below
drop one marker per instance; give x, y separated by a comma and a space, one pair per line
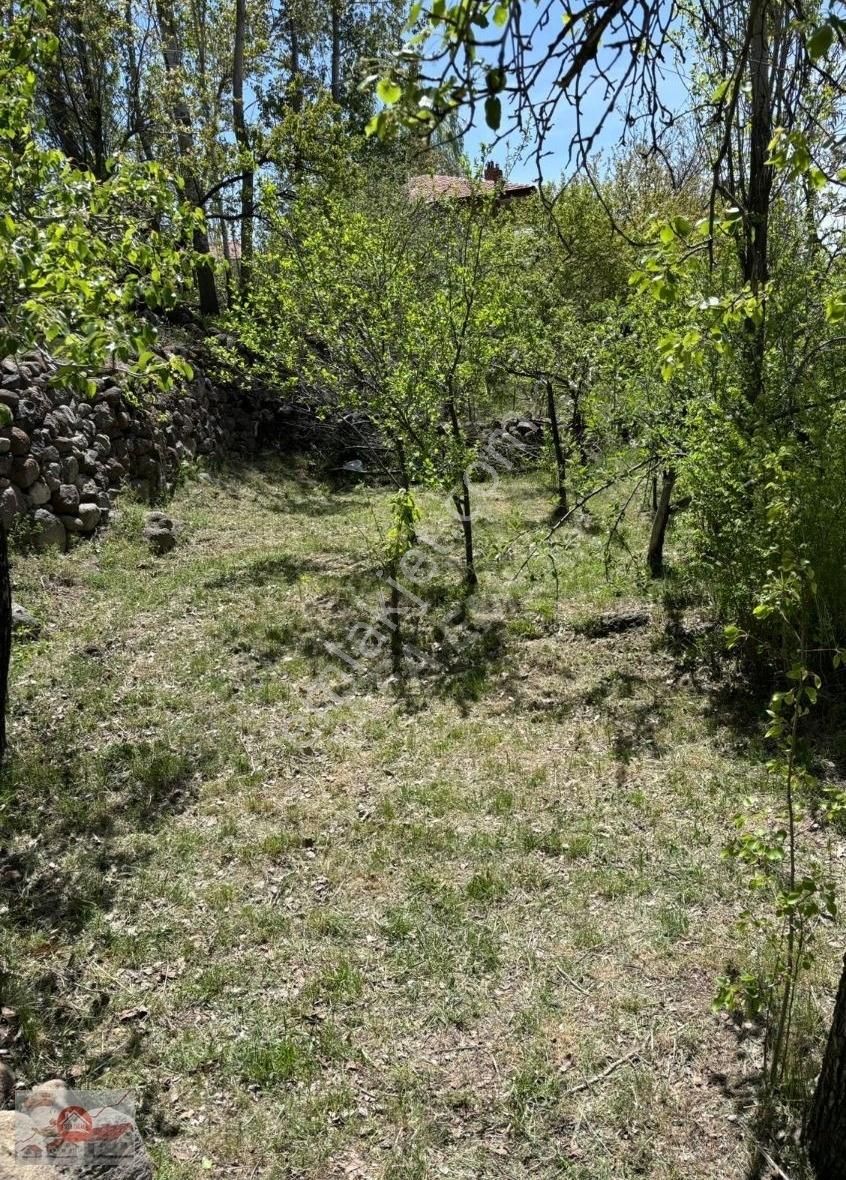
64, 457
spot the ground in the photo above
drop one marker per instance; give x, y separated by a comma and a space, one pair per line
327, 921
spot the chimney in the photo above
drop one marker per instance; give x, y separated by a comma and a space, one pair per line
493, 172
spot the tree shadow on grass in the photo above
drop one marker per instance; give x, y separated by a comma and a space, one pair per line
261, 570
66, 824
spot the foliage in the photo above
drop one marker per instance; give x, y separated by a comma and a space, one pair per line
80, 259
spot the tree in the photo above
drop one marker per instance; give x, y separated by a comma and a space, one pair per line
82, 261
181, 118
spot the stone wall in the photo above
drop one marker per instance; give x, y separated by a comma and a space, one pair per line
65, 456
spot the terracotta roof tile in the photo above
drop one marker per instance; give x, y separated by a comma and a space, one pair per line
438, 188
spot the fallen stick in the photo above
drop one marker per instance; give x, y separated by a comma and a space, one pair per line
609, 1069
768, 1159
572, 982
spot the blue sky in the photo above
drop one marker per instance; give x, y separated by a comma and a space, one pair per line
674, 93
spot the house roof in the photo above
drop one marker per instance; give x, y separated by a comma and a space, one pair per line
459, 188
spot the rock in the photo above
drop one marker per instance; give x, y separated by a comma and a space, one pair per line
48, 532
72, 523
90, 461
20, 441
89, 514
22, 620
160, 520
10, 1168
52, 477
100, 1156
66, 499
5, 446
7, 1083
39, 494
160, 540
10, 399
613, 623
12, 504
25, 471
70, 469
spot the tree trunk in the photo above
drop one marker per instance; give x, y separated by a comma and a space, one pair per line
336, 51
296, 68
137, 118
757, 214
825, 1130
394, 622
172, 53
577, 424
239, 123
463, 508
462, 503
560, 458
5, 633
227, 252
655, 554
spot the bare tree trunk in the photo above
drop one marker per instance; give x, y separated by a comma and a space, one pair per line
756, 220
463, 505
560, 458
655, 554
577, 424
227, 251
336, 51
5, 633
463, 508
394, 617
239, 123
172, 53
825, 1130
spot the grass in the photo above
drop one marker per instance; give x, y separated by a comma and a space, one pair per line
327, 922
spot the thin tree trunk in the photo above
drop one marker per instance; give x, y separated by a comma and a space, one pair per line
560, 458
655, 554
336, 51
463, 508
463, 504
394, 622
577, 422
825, 1130
172, 53
239, 123
227, 252
5, 633
296, 69
756, 222
137, 118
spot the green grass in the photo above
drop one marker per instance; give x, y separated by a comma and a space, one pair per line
380, 927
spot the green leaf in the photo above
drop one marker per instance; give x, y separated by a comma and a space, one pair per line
721, 90
388, 91
820, 41
500, 15
493, 112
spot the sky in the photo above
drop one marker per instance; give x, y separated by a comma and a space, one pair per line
674, 94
